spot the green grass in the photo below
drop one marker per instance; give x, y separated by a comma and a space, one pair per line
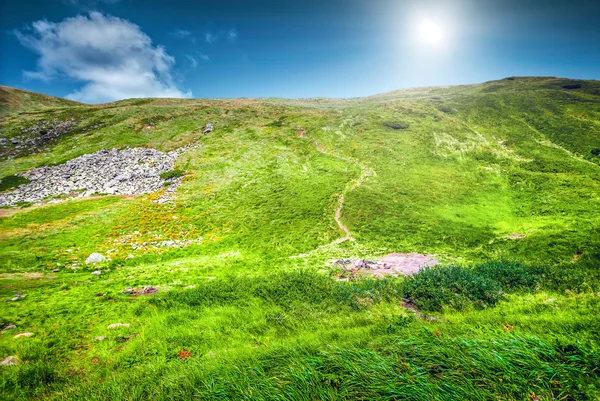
172, 174
12, 181
254, 297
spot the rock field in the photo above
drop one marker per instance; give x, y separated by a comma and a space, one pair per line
115, 171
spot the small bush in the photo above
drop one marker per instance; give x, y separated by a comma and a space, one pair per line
397, 125
12, 181
596, 151
483, 285
512, 276
454, 286
172, 174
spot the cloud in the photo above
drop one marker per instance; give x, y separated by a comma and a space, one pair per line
230, 35
181, 33
111, 56
193, 61
89, 3
210, 37
203, 56
184, 34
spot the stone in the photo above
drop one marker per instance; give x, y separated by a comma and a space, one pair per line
10, 360
117, 325
97, 272
55, 271
9, 327
99, 338
130, 256
95, 258
115, 171
23, 335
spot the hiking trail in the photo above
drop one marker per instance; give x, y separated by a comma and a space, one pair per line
365, 172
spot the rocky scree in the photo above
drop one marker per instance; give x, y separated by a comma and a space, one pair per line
115, 171
34, 138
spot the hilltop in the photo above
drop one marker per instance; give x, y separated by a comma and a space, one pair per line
266, 259
12, 99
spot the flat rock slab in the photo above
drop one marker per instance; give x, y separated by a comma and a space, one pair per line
24, 335
393, 264
117, 325
407, 263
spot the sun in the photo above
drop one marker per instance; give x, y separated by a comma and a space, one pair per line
431, 32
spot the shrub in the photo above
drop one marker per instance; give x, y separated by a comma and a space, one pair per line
512, 275
12, 181
172, 174
454, 286
395, 125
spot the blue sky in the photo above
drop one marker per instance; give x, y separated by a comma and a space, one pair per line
102, 50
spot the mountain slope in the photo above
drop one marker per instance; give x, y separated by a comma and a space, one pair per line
13, 99
499, 181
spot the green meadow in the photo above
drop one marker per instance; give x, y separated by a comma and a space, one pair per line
500, 181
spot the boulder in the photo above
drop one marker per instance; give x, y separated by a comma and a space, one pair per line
95, 258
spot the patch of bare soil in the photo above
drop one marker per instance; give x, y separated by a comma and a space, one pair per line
393, 264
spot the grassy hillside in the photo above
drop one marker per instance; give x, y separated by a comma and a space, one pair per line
501, 181
12, 99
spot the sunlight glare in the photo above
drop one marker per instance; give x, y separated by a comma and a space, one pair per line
431, 32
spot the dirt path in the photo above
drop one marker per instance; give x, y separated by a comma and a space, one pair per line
365, 172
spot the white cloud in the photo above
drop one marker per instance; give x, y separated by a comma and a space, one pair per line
184, 34
111, 56
210, 37
88, 3
193, 61
203, 56
232, 35
181, 33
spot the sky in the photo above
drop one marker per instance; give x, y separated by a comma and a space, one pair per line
97, 51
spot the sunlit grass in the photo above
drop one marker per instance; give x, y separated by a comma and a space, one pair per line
457, 171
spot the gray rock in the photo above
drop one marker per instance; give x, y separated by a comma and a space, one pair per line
97, 272
10, 360
23, 335
115, 171
117, 325
99, 338
95, 258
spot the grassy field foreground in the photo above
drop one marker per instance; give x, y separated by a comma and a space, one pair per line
501, 181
